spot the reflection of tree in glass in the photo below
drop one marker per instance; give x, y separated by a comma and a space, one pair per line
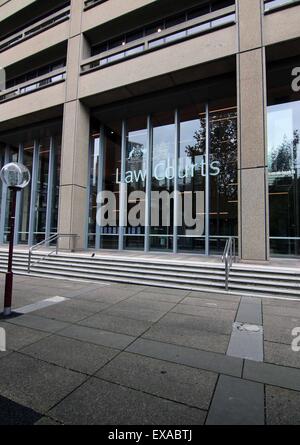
284, 158
223, 148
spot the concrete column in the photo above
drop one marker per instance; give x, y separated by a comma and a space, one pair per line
253, 173
75, 142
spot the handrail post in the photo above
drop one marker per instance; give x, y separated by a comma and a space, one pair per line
29, 261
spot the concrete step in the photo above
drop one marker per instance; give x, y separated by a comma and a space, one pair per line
161, 273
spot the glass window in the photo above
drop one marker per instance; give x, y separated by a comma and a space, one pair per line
28, 153
223, 177
112, 175
135, 177
2, 162
163, 168
94, 170
12, 157
55, 184
191, 178
284, 178
39, 231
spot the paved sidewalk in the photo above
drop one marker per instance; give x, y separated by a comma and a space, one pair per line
123, 354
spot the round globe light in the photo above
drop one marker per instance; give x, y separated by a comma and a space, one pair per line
15, 175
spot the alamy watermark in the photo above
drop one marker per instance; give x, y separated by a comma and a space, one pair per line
2, 340
296, 341
190, 209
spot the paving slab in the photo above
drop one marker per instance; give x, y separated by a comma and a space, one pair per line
18, 336
159, 306
111, 293
46, 421
38, 323
283, 311
12, 413
71, 354
35, 384
189, 337
205, 360
179, 383
246, 341
136, 313
72, 311
279, 329
104, 403
237, 402
215, 296
250, 311
282, 406
281, 354
199, 323
97, 336
116, 324
166, 290
273, 375
206, 312
211, 303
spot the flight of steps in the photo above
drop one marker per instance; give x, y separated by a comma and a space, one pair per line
207, 276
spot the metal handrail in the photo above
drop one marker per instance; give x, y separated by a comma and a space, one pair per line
46, 242
229, 256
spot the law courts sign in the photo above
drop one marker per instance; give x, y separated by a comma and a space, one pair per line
165, 170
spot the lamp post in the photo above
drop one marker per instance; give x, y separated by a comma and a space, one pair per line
16, 177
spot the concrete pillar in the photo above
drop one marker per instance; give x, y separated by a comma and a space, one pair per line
253, 172
75, 142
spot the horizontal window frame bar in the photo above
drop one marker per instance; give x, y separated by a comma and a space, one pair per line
30, 83
93, 4
22, 36
165, 33
288, 4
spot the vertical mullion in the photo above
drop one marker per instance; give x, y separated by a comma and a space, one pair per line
207, 183
33, 192
18, 200
148, 184
122, 189
50, 188
100, 181
3, 201
88, 196
176, 191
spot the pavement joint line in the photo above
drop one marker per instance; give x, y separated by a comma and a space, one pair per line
210, 369
231, 401
212, 397
45, 412
40, 305
148, 393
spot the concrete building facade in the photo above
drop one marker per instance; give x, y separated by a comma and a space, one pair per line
154, 95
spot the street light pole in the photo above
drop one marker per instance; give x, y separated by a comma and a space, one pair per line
9, 274
16, 177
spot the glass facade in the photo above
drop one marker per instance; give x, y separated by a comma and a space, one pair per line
37, 204
283, 158
284, 178
174, 177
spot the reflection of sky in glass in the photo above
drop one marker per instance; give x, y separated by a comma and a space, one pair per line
187, 132
96, 156
280, 122
283, 120
163, 142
